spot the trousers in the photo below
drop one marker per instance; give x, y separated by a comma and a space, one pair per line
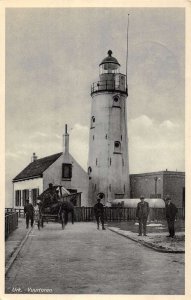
142, 225
29, 218
171, 227
98, 219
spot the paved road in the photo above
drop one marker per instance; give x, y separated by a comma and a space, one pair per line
83, 260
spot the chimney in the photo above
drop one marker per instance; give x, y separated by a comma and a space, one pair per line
34, 157
66, 142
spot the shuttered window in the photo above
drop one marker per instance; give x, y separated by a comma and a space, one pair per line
25, 196
17, 198
34, 196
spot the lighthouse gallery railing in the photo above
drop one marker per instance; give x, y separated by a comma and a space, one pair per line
109, 85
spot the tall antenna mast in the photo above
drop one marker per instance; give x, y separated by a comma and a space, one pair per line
127, 51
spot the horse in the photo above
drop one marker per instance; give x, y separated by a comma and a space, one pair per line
65, 208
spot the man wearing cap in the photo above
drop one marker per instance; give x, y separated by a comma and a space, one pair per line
29, 213
142, 213
171, 211
99, 211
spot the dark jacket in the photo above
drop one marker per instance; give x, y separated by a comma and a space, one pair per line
142, 210
98, 209
29, 209
171, 211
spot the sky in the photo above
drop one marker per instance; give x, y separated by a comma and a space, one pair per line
53, 57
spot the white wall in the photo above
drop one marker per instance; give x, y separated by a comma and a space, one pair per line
79, 180
110, 126
29, 184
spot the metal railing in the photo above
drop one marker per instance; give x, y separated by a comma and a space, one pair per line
108, 85
20, 211
11, 222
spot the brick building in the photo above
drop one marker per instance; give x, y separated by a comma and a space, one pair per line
158, 185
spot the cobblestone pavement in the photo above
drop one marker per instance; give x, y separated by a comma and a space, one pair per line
83, 260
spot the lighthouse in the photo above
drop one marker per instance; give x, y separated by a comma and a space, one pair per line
108, 164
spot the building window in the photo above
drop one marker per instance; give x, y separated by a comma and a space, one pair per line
34, 196
17, 198
25, 196
67, 171
92, 122
110, 161
117, 147
121, 137
96, 161
93, 137
106, 136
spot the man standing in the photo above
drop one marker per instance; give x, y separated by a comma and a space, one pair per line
29, 213
142, 213
171, 211
99, 212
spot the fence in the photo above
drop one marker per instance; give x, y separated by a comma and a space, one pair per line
119, 214
11, 222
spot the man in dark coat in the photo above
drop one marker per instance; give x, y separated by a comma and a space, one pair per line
142, 213
171, 211
29, 213
99, 212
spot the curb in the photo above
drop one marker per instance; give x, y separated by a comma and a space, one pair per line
16, 252
148, 245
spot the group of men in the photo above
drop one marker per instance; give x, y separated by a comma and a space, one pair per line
142, 213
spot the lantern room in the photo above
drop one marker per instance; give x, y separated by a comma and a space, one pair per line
109, 64
110, 78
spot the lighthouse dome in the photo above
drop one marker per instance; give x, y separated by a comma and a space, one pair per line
109, 59
109, 62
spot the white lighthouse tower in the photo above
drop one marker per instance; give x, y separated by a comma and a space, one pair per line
108, 165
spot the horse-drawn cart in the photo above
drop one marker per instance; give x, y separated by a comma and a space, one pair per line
55, 204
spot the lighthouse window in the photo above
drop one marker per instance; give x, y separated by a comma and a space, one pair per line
116, 101
117, 147
89, 170
92, 122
